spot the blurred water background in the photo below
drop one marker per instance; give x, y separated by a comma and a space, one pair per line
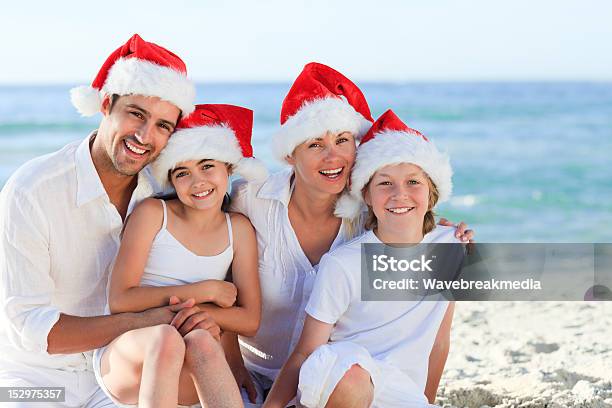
531, 160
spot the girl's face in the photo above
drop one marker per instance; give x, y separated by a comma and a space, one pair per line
325, 163
200, 184
399, 196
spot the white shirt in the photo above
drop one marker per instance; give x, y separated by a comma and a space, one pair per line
285, 273
60, 233
400, 333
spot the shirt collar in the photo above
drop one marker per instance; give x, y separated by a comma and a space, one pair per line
89, 185
277, 187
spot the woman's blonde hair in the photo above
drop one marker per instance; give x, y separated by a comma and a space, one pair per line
429, 222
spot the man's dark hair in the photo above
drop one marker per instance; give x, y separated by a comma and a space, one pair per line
114, 99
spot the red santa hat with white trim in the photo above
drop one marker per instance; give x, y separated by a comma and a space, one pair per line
388, 142
321, 99
138, 67
213, 131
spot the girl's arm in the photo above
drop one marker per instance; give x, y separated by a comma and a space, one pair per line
244, 317
285, 386
439, 353
125, 294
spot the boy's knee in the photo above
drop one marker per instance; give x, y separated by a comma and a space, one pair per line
355, 377
355, 389
199, 344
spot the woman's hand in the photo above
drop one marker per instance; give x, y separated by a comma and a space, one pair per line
462, 232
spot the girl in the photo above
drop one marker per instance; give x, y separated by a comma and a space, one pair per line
182, 248
380, 351
322, 116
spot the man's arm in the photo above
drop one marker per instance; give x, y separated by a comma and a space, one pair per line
439, 353
74, 334
34, 323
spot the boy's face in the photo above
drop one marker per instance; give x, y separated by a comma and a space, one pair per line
399, 195
325, 163
135, 130
200, 184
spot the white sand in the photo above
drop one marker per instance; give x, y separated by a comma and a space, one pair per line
529, 354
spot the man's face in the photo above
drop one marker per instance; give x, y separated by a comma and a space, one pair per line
135, 130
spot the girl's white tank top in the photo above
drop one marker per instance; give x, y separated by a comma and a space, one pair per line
171, 263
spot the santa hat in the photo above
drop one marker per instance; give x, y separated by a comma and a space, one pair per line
390, 141
320, 100
218, 132
141, 68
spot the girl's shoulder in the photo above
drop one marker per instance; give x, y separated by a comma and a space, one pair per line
240, 225
149, 207
148, 216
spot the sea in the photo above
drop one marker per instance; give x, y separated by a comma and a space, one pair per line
532, 160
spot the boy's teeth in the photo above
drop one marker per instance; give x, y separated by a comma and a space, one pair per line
400, 210
333, 171
203, 193
134, 148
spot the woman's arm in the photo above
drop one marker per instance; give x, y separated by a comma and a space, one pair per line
315, 333
244, 317
125, 294
439, 353
229, 342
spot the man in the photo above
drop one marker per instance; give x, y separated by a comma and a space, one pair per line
61, 217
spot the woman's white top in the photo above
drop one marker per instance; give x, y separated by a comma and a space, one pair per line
285, 273
170, 263
400, 333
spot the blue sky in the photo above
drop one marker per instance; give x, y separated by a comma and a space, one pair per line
67, 41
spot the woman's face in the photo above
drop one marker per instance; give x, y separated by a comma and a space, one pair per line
200, 184
325, 163
398, 195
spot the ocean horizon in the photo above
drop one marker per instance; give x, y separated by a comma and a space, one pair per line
531, 159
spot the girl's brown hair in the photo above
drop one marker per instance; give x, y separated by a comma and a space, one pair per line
429, 222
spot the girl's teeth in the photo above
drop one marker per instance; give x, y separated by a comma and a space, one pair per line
203, 194
134, 148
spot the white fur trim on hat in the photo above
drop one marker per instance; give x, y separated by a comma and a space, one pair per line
205, 142
315, 118
86, 100
394, 147
138, 77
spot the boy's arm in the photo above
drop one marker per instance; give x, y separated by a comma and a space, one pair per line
285, 386
439, 353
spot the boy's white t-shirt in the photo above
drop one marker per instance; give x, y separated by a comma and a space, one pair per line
400, 333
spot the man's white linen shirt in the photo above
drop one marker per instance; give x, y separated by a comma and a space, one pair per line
60, 235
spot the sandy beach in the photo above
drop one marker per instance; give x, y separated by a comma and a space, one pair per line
529, 354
